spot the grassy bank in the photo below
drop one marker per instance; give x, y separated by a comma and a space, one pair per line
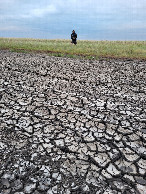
87, 49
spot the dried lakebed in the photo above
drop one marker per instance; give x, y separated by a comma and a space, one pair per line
71, 126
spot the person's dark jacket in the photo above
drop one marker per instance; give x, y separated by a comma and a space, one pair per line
73, 36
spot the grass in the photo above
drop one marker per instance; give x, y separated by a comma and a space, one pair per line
86, 49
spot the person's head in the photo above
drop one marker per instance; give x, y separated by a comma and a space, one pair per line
73, 31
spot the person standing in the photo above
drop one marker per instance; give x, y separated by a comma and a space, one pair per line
74, 37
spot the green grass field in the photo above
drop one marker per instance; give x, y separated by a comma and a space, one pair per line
86, 49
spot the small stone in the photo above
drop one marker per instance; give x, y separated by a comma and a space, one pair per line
5, 182
36, 192
55, 175
54, 189
140, 180
29, 188
29, 129
142, 164
6, 191
143, 130
42, 186
85, 188
17, 185
141, 189
59, 142
112, 170
126, 169
50, 191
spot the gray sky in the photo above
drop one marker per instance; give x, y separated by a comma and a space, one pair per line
92, 19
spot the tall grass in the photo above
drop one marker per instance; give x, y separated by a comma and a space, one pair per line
88, 49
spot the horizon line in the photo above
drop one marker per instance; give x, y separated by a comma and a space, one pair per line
58, 39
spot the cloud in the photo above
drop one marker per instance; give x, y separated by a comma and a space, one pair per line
40, 12
36, 8
11, 28
4, 3
60, 16
135, 25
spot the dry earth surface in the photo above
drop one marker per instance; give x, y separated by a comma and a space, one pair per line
71, 126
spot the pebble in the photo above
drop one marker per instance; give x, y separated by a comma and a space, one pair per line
29, 188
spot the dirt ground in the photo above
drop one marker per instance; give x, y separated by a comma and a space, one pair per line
72, 126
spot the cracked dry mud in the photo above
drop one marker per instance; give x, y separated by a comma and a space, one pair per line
71, 126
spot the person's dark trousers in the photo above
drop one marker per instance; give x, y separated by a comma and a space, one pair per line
74, 41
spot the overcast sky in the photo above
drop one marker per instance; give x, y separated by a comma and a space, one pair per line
91, 19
